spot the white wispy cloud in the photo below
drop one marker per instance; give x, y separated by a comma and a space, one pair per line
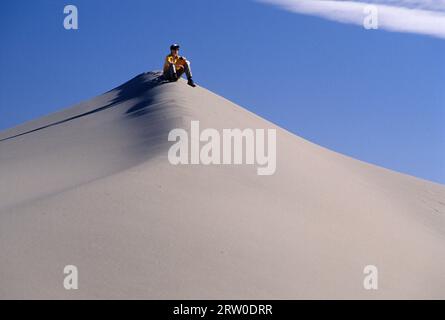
425, 17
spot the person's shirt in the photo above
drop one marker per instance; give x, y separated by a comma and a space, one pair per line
178, 61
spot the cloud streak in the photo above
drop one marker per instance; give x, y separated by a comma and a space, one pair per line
426, 17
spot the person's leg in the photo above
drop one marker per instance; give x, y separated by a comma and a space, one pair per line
188, 69
179, 71
171, 73
188, 72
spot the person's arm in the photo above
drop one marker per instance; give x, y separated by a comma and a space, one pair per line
182, 60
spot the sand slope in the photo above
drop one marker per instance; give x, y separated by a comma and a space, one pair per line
91, 186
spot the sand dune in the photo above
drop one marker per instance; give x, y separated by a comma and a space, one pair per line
91, 186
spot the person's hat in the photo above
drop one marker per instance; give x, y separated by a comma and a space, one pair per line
174, 46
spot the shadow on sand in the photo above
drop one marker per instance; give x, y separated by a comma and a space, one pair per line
136, 87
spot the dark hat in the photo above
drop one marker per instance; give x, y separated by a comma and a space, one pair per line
174, 46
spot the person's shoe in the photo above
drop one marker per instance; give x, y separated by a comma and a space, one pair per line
191, 83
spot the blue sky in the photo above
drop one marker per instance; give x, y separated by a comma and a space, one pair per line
372, 94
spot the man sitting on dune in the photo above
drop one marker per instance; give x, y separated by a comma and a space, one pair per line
175, 66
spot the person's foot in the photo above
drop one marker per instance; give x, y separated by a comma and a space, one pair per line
191, 83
